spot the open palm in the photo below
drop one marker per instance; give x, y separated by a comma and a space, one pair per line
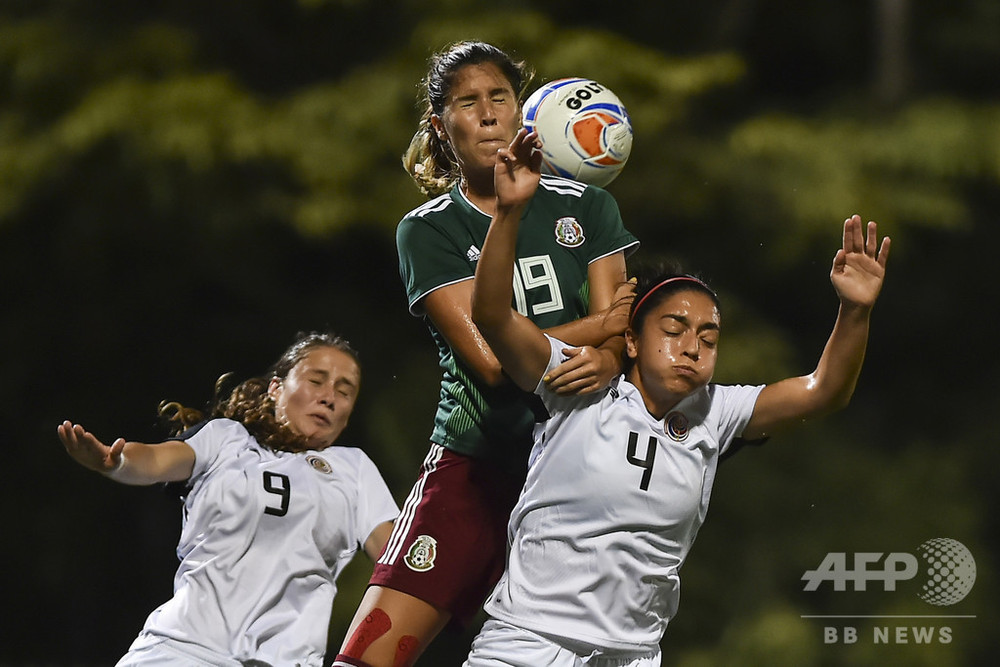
859, 266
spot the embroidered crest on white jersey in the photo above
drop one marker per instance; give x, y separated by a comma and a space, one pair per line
319, 463
677, 427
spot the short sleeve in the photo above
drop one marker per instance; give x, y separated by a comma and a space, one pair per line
375, 503
428, 259
734, 405
606, 226
209, 440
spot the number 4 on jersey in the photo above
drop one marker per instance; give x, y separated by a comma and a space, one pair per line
646, 462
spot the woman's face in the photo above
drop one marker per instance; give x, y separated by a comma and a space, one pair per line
317, 396
481, 115
676, 350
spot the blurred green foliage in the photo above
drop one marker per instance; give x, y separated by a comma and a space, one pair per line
184, 185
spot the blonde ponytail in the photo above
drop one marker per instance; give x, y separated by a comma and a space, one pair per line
428, 160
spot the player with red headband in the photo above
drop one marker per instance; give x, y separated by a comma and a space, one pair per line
619, 482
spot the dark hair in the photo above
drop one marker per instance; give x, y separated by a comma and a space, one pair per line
249, 402
654, 287
428, 159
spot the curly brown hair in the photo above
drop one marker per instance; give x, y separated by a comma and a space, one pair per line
249, 403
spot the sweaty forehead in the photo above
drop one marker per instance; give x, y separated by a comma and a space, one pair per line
693, 306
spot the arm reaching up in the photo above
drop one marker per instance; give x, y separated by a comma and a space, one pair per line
857, 276
519, 345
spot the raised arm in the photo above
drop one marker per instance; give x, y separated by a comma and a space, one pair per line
519, 345
128, 462
450, 307
857, 276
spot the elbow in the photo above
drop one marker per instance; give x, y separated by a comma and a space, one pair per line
829, 405
828, 395
840, 401
840, 397
489, 371
494, 377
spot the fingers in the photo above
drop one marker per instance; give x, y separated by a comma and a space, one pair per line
70, 434
839, 260
521, 152
871, 239
883, 253
578, 381
578, 387
866, 241
76, 438
853, 238
568, 371
579, 374
524, 143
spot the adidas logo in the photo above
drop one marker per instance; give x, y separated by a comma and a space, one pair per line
472, 254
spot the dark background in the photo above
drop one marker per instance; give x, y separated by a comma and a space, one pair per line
185, 185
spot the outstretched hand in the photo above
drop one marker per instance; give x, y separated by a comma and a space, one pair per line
518, 169
859, 266
88, 451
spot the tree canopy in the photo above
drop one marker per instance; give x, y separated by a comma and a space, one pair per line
185, 185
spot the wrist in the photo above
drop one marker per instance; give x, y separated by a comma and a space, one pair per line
508, 211
855, 310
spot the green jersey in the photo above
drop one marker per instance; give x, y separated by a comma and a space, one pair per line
566, 226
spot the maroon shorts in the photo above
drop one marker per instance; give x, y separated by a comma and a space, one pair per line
449, 543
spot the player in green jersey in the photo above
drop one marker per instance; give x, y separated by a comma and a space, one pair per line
447, 549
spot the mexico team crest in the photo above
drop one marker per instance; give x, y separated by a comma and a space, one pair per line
421, 554
569, 233
676, 426
319, 463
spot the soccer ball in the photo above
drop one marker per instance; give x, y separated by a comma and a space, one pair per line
583, 127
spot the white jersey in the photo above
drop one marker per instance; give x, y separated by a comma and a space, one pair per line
265, 536
612, 503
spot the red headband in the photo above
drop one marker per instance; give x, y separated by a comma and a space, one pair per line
690, 279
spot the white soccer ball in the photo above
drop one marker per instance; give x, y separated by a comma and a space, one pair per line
584, 129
